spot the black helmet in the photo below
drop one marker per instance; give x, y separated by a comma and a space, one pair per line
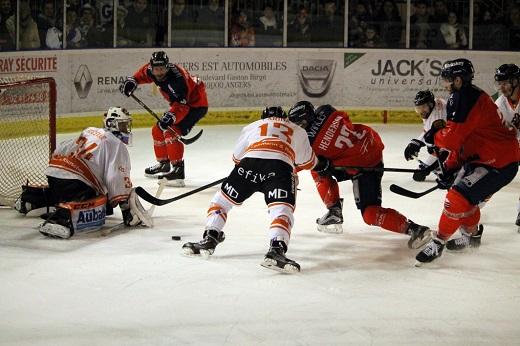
159, 59
424, 96
273, 112
507, 72
302, 111
458, 68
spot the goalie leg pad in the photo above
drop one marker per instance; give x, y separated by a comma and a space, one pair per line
75, 217
34, 200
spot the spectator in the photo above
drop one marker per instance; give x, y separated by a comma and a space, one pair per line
440, 13
209, 24
6, 11
453, 33
122, 41
73, 35
371, 39
358, 24
268, 31
29, 37
46, 19
242, 32
92, 35
299, 30
328, 31
390, 24
420, 26
141, 29
514, 28
182, 25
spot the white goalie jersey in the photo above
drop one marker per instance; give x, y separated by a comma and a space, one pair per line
508, 112
438, 112
276, 138
97, 158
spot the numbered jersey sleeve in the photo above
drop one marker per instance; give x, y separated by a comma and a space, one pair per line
97, 158
275, 138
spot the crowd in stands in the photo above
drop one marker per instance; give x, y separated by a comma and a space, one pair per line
434, 24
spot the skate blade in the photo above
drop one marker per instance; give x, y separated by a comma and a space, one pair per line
154, 176
272, 264
173, 183
204, 254
333, 229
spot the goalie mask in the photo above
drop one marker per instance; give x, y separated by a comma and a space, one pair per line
118, 121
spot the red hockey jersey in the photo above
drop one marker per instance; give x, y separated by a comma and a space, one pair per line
333, 135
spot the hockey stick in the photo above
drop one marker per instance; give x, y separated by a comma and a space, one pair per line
411, 194
379, 169
162, 184
156, 201
107, 231
183, 140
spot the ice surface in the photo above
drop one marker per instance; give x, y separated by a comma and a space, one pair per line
357, 288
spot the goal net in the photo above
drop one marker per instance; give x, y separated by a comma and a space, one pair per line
27, 134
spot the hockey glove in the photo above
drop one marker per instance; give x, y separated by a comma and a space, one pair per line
445, 180
429, 136
516, 121
324, 167
128, 87
412, 149
167, 120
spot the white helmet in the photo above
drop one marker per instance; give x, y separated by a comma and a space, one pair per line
119, 122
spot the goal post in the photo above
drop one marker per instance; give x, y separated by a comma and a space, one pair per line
27, 134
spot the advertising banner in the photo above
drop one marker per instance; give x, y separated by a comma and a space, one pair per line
88, 80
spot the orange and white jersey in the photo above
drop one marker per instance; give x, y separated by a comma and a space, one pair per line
507, 111
275, 138
438, 112
97, 158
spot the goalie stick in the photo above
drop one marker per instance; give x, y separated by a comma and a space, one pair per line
157, 201
183, 140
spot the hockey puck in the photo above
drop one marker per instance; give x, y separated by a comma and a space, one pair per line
176, 237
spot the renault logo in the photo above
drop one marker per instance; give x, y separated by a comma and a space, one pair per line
83, 81
316, 76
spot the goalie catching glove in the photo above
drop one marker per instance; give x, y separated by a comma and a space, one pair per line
133, 212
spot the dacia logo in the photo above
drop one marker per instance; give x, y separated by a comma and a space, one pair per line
83, 81
316, 76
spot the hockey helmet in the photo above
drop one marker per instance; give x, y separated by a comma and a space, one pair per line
461, 67
507, 72
302, 113
118, 121
159, 59
424, 96
273, 112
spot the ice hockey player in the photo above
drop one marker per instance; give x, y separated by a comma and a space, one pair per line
87, 175
483, 158
186, 95
430, 109
507, 79
266, 155
335, 139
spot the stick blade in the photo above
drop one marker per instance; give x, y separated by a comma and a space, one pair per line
190, 140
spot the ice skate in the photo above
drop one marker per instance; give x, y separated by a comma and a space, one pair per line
465, 240
332, 221
275, 258
205, 247
155, 170
419, 235
432, 251
175, 177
